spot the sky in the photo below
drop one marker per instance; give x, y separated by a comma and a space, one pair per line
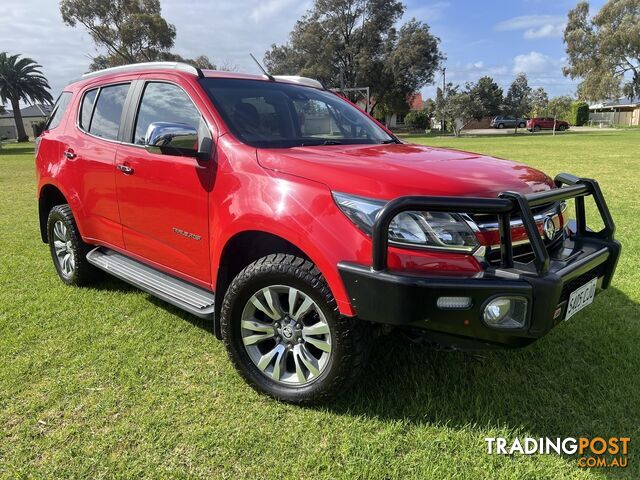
498, 38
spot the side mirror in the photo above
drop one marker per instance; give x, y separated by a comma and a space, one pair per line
170, 138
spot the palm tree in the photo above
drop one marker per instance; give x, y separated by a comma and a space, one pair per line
21, 79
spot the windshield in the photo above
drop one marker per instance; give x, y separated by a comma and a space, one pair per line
275, 115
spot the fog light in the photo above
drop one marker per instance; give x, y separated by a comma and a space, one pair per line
453, 303
506, 312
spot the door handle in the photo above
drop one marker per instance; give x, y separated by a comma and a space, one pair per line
70, 154
126, 169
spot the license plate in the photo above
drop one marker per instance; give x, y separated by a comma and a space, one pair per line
581, 297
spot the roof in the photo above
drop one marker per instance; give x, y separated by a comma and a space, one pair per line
415, 102
619, 102
189, 69
35, 110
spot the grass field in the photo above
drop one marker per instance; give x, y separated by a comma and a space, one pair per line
109, 383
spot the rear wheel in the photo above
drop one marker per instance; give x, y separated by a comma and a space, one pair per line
522, 125
501, 125
284, 334
68, 251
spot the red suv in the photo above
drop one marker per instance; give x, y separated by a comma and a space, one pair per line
300, 227
547, 123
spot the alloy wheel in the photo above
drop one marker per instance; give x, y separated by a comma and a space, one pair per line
63, 249
286, 335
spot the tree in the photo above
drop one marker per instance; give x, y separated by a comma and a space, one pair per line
489, 93
539, 100
579, 113
604, 51
131, 31
517, 101
418, 119
458, 108
22, 79
559, 108
354, 43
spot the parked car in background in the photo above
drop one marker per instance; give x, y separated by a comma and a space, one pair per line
508, 121
546, 123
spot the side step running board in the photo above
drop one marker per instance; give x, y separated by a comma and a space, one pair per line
184, 295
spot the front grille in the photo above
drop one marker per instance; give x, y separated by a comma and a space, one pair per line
492, 220
523, 252
577, 282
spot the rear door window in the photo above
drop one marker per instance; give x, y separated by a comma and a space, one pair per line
105, 121
88, 102
58, 111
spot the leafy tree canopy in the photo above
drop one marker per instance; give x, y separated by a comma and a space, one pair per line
488, 93
131, 31
21, 79
355, 43
538, 100
604, 51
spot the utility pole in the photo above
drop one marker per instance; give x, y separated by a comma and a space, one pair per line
444, 94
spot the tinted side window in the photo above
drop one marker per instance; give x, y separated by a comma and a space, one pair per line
58, 111
164, 102
106, 116
87, 108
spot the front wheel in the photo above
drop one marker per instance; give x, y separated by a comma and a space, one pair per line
501, 125
284, 334
536, 128
561, 128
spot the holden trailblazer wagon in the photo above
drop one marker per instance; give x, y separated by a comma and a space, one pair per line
300, 226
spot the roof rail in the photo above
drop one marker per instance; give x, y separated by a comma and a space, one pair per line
309, 82
184, 67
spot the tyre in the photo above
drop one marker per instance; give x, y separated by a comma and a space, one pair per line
522, 125
561, 128
284, 334
501, 125
68, 251
536, 128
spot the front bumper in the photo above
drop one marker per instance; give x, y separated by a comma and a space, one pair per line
402, 299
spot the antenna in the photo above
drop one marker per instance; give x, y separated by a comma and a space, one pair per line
266, 74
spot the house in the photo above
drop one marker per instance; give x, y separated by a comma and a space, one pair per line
31, 116
623, 111
397, 119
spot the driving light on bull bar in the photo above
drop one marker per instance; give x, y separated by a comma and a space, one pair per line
453, 303
506, 312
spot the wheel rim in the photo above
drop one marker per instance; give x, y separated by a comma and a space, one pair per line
63, 249
286, 335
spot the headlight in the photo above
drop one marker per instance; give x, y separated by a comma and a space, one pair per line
445, 231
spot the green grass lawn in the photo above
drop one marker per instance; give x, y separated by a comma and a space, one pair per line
108, 382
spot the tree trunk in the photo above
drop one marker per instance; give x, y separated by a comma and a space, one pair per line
17, 118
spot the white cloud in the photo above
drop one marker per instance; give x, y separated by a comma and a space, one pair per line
535, 26
534, 63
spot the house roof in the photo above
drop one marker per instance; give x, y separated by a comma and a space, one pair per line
619, 102
35, 110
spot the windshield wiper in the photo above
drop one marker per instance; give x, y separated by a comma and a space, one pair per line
391, 140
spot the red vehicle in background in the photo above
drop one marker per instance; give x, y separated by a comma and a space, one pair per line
546, 123
300, 226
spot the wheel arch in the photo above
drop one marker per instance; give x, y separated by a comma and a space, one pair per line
49, 197
239, 251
